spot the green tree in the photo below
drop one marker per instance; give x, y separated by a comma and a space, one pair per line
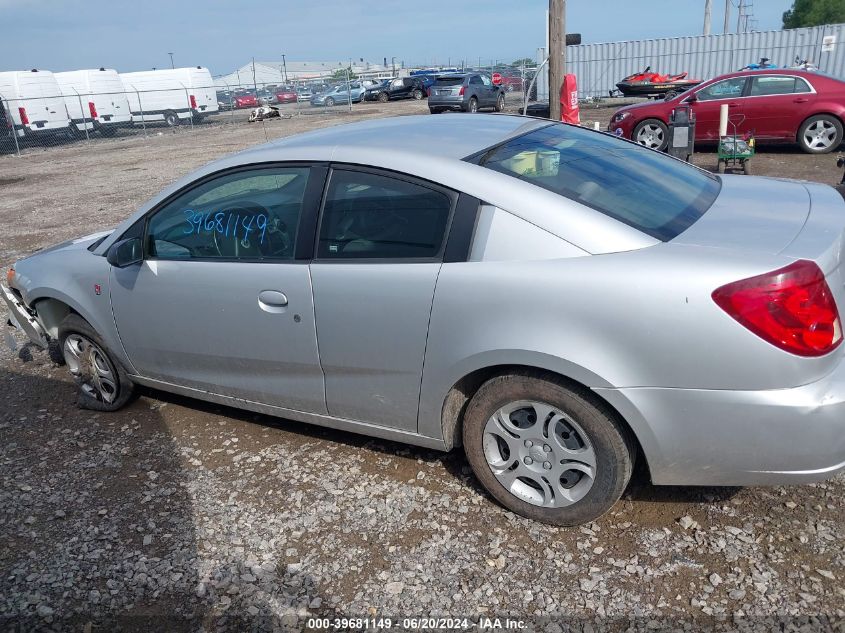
340, 74
527, 61
814, 13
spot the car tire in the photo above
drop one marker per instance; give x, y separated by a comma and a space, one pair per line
746, 169
651, 133
472, 106
417, 95
383, 97
500, 103
820, 134
171, 118
102, 382
546, 450
329, 102
435, 111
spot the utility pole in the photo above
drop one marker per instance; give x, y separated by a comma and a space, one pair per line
557, 54
739, 16
285, 66
708, 10
171, 60
727, 27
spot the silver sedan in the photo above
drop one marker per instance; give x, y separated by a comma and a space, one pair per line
557, 301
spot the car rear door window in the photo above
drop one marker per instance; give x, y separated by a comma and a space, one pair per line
247, 214
656, 194
726, 89
373, 216
777, 85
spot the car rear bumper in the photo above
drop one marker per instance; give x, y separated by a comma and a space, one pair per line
739, 438
446, 102
20, 318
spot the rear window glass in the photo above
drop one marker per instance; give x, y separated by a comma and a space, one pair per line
449, 81
645, 189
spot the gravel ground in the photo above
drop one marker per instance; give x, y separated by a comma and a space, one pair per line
178, 515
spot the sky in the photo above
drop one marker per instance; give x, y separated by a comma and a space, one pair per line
62, 35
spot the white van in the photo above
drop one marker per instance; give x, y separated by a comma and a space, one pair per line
170, 95
34, 103
95, 100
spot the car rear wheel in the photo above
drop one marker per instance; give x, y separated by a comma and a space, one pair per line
472, 106
103, 384
652, 133
417, 94
329, 102
383, 97
547, 451
820, 134
435, 111
171, 118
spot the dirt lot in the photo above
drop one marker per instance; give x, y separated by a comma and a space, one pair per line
223, 519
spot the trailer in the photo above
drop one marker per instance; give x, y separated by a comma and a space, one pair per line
171, 96
95, 100
34, 104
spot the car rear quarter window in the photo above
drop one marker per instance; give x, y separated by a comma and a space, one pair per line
247, 214
373, 216
643, 188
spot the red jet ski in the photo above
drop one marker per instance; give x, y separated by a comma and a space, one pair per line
649, 84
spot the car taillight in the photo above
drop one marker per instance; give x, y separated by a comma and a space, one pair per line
428, 91
193, 102
10, 276
92, 109
791, 308
462, 90
24, 118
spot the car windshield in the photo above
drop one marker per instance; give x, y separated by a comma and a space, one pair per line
645, 189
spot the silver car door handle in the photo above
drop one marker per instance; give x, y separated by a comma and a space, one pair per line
272, 298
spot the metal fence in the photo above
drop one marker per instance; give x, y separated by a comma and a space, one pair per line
599, 67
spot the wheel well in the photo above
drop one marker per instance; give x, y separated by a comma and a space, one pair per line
51, 312
459, 396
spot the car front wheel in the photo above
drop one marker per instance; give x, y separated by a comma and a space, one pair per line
546, 451
103, 384
383, 97
820, 134
652, 133
500, 103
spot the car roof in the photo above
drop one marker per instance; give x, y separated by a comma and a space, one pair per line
447, 136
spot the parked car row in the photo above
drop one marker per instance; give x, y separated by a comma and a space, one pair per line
39, 103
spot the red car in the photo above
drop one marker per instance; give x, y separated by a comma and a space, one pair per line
245, 100
776, 105
286, 95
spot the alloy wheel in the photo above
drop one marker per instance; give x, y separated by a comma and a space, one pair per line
651, 136
89, 367
539, 454
820, 134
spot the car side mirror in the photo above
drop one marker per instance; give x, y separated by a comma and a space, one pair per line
692, 98
125, 253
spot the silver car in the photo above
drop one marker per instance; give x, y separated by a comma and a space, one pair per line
557, 301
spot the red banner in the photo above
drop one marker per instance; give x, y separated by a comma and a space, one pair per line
569, 111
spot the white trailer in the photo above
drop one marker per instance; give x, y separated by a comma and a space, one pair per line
95, 100
170, 95
34, 103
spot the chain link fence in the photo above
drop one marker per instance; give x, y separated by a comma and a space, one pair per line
61, 116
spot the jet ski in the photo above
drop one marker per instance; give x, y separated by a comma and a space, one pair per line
649, 84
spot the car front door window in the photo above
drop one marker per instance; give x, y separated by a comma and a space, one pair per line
251, 214
727, 89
